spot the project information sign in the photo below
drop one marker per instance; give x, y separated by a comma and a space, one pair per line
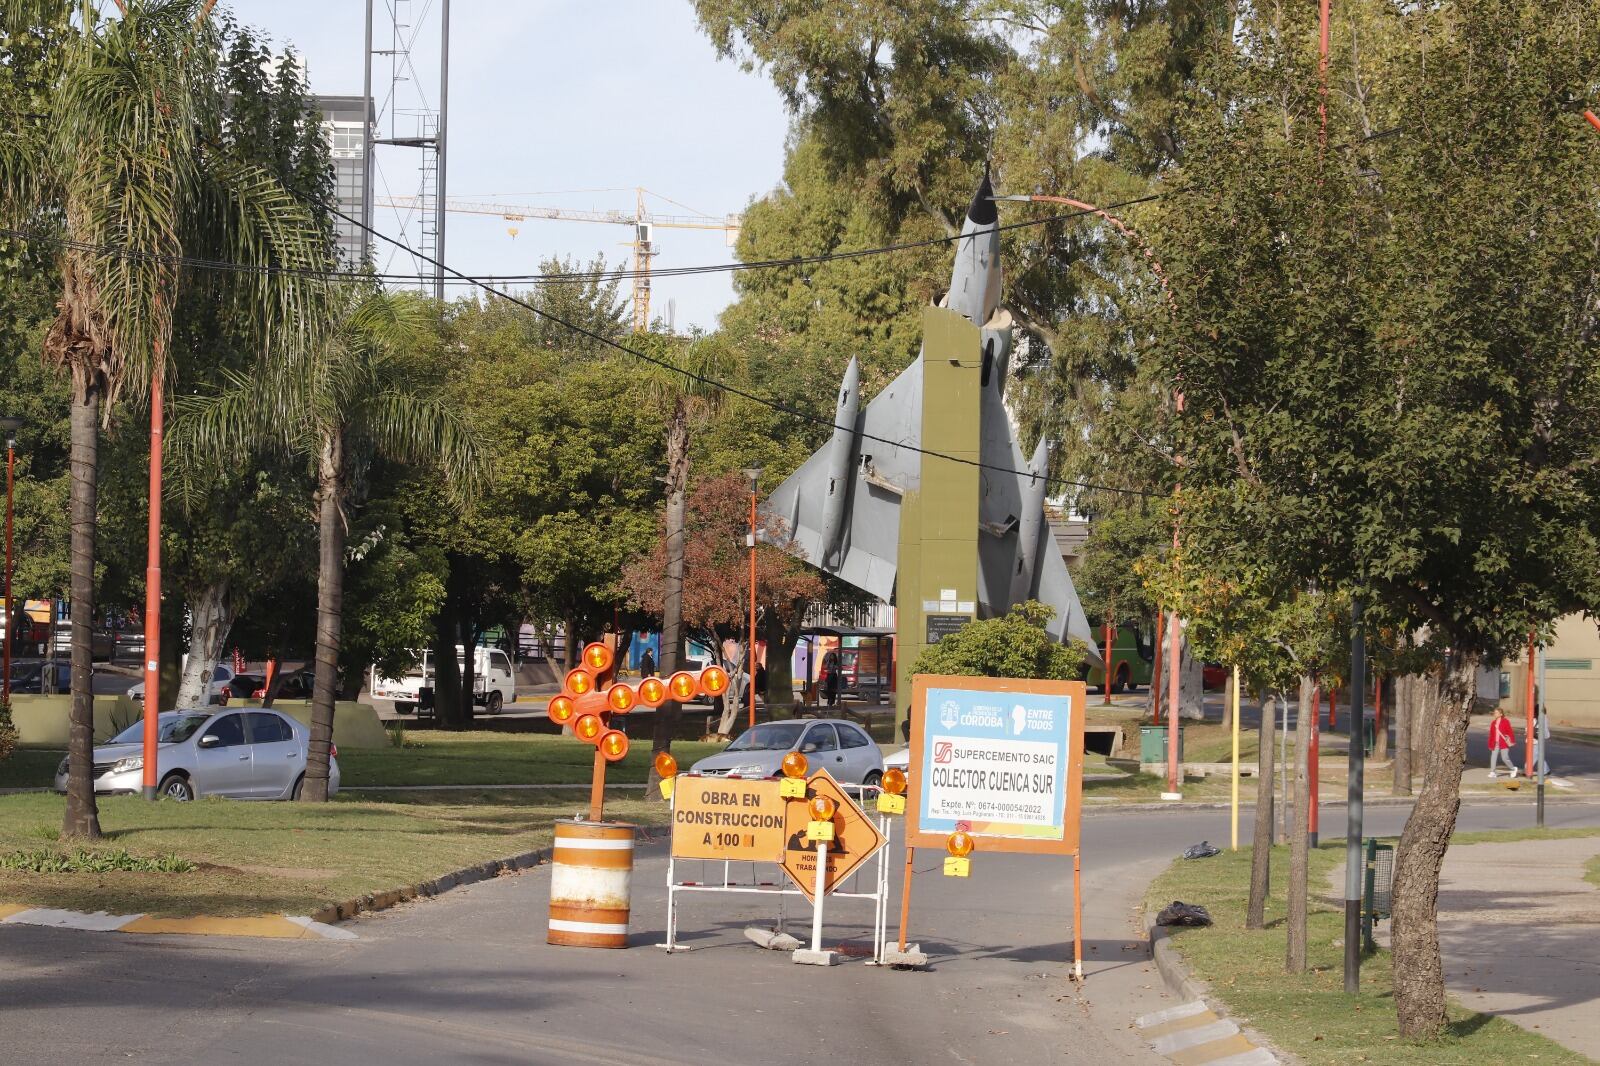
999, 758
723, 818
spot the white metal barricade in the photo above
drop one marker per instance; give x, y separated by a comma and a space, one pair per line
781, 887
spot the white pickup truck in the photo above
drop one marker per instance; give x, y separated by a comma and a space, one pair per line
493, 686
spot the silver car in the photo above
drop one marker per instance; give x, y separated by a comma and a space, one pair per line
248, 753
839, 747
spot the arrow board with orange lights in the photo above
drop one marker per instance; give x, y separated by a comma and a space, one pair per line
1000, 759
723, 818
856, 838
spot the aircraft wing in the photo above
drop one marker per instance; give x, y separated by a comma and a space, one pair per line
875, 478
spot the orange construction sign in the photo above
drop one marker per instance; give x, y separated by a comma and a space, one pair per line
727, 818
856, 838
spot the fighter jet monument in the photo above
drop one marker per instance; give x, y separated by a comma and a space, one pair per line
923, 495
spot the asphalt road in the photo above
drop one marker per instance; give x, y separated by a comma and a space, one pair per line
467, 978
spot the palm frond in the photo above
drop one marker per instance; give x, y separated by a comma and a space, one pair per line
409, 427
122, 144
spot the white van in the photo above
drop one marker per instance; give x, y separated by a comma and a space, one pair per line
493, 684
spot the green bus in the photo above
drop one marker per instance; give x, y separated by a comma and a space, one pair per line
1133, 652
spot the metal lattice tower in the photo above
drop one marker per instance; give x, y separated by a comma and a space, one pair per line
406, 118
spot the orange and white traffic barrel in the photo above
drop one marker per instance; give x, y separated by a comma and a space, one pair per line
590, 880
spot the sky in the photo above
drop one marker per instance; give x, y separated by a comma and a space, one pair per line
561, 103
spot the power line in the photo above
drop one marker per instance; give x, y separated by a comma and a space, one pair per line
560, 278
734, 390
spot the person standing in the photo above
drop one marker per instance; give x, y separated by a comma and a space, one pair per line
830, 678
1501, 737
647, 664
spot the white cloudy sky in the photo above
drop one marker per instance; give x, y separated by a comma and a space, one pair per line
553, 102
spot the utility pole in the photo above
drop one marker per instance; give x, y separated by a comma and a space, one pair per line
367, 119
444, 117
11, 425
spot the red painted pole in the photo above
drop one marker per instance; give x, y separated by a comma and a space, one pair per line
11, 464
152, 590
750, 657
1333, 699
1174, 774
1107, 671
1531, 700
1314, 765
1593, 120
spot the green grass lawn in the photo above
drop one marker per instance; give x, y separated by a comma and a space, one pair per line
480, 757
1308, 1014
29, 768
263, 858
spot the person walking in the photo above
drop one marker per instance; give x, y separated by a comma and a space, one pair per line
647, 664
1501, 737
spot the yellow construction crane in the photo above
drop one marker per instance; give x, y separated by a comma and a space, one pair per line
642, 221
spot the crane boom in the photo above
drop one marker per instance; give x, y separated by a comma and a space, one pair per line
642, 221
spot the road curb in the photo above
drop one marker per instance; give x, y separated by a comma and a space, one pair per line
468, 875
1174, 971
1467, 800
1187, 988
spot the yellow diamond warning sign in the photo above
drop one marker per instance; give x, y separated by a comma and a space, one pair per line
855, 838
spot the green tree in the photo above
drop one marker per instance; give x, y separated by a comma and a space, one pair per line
357, 396
120, 151
1014, 644
1389, 360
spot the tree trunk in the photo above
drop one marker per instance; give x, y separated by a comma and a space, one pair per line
1227, 704
1158, 668
1191, 684
211, 617
1405, 701
171, 671
782, 638
1382, 713
670, 713
1418, 970
446, 670
1261, 846
82, 816
1300, 836
330, 608
469, 669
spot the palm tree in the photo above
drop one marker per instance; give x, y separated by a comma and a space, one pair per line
115, 162
359, 395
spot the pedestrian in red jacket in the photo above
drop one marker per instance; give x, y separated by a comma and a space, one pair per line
1501, 738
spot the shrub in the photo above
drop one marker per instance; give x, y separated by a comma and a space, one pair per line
8, 732
1013, 645
49, 861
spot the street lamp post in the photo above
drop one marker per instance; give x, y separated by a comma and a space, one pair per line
11, 425
754, 474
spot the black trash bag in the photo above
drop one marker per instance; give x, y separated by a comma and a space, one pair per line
1181, 913
1202, 850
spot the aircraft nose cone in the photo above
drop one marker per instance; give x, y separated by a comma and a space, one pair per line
982, 212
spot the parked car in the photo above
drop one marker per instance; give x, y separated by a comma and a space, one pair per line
29, 676
839, 747
494, 685
220, 687
296, 685
1213, 676
252, 753
243, 686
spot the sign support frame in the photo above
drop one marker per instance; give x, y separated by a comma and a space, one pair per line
1076, 693
782, 887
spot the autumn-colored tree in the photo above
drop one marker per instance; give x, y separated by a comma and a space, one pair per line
716, 583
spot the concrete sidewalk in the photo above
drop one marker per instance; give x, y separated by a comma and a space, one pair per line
1518, 926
